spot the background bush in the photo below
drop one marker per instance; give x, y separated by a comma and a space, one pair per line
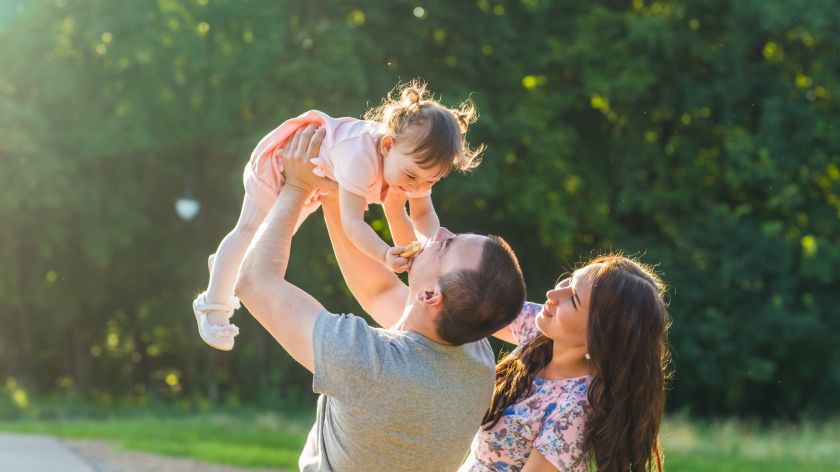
699, 136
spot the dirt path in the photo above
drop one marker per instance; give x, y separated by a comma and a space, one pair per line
105, 458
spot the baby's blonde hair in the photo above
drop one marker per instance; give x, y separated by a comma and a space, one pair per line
439, 133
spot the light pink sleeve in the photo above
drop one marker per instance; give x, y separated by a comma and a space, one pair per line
560, 440
355, 168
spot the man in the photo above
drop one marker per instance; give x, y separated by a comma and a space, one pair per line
410, 397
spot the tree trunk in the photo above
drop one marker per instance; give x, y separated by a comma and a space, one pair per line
82, 359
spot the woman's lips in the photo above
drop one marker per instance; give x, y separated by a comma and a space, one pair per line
546, 312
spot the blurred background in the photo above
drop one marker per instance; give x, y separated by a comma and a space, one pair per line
699, 136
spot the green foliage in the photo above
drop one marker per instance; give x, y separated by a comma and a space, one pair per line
700, 136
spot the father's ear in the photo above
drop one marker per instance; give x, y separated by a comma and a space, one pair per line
431, 298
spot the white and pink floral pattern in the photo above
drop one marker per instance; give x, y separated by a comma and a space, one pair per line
549, 418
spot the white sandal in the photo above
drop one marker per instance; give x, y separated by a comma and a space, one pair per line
219, 337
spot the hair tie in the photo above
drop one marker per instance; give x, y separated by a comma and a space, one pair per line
412, 95
411, 99
463, 120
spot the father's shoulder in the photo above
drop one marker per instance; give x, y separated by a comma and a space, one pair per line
327, 319
478, 364
348, 328
481, 353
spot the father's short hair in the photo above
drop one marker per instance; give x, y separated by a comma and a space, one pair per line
479, 302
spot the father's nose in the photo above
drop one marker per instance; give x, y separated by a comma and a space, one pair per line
442, 234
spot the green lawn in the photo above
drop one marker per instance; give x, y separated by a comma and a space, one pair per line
730, 446
275, 440
247, 439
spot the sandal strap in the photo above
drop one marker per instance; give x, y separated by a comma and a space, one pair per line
202, 305
213, 307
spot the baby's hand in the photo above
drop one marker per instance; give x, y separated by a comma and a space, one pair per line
394, 261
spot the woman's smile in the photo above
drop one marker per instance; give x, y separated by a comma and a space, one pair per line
546, 311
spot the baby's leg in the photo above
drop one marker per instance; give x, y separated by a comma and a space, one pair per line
225, 267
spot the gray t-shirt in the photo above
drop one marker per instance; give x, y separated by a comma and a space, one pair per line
393, 400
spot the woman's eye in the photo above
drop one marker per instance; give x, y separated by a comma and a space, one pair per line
411, 177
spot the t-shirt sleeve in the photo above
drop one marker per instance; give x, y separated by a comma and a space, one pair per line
355, 165
524, 327
560, 440
345, 355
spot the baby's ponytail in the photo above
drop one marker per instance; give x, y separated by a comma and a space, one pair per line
438, 132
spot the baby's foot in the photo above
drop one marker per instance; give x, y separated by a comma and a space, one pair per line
219, 336
218, 318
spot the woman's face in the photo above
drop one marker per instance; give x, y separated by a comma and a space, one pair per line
566, 312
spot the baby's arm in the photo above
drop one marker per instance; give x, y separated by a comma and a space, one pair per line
352, 208
423, 216
401, 230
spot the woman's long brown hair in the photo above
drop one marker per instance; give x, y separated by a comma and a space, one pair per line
629, 360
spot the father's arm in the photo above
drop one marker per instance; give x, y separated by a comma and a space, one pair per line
380, 293
286, 311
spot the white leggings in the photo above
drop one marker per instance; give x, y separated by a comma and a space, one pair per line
231, 251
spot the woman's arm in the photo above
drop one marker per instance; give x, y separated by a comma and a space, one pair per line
538, 463
505, 334
398, 221
423, 216
352, 208
524, 327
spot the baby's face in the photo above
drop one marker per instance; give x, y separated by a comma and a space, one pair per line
400, 171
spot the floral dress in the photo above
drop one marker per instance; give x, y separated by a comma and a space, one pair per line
549, 418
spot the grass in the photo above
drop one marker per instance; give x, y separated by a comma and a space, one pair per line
730, 446
245, 439
271, 439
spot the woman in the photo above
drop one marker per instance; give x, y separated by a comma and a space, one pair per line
586, 384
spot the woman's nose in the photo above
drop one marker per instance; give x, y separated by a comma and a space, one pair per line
556, 293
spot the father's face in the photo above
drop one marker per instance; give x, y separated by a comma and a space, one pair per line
443, 253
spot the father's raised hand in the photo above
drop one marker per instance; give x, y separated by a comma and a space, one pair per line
302, 147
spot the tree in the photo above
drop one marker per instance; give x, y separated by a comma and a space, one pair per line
700, 137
